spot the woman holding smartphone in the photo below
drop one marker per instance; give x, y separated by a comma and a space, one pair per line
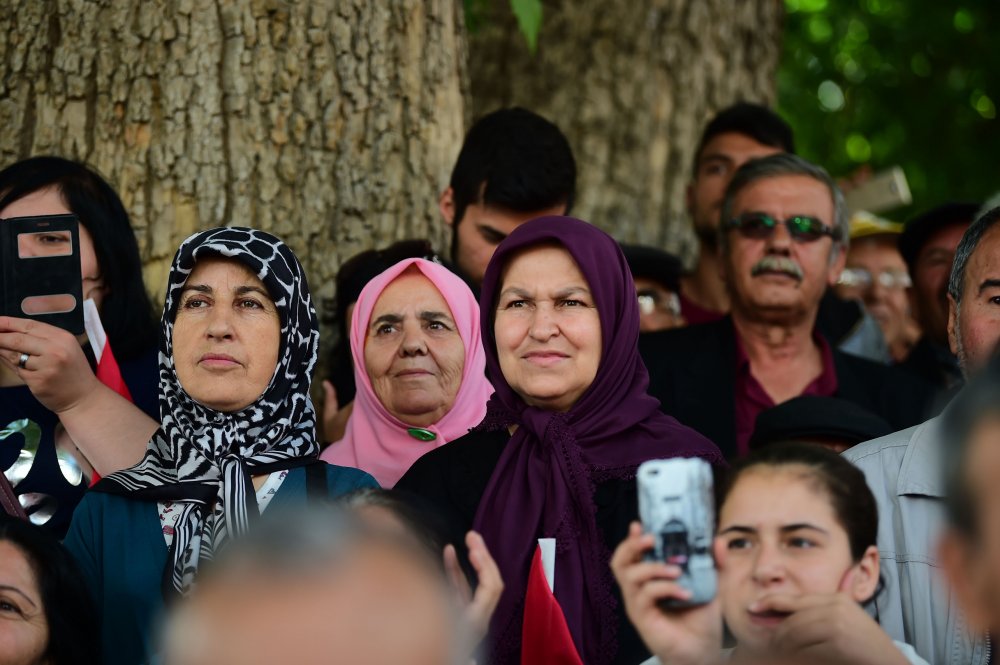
796, 557
58, 423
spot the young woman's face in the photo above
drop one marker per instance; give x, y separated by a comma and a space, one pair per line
778, 534
24, 631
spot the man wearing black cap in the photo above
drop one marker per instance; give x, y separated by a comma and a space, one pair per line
826, 421
928, 246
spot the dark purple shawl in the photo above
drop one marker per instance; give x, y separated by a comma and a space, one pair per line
544, 481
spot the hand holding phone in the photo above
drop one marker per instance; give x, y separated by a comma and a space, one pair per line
679, 635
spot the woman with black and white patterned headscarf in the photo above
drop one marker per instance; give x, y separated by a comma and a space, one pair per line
238, 346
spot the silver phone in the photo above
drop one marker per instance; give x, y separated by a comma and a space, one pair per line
676, 504
884, 191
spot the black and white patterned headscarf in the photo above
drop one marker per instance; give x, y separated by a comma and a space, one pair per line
203, 459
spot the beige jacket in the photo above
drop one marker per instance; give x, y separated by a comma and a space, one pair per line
904, 473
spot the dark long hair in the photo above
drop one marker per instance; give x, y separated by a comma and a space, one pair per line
845, 485
126, 312
74, 631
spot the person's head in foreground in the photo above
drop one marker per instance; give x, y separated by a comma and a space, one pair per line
970, 548
238, 346
319, 587
419, 369
737, 134
973, 289
560, 326
514, 166
796, 558
783, 239
46, 614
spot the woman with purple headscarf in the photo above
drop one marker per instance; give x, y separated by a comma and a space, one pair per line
569, 423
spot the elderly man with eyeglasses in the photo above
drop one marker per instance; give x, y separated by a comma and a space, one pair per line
876, 276
782, 243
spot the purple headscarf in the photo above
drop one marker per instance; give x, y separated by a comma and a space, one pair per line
544, 481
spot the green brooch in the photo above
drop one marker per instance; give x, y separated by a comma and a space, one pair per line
421, 434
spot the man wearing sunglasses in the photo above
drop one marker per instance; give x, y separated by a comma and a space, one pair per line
782, 243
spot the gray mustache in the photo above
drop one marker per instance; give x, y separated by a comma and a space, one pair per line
777, 264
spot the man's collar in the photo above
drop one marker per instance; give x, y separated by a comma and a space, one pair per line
920, 471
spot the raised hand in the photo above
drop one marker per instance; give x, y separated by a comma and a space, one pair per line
479, 607
691, 636
55, 369
828, 629
334, 417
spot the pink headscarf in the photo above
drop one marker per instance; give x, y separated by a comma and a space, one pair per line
377, 442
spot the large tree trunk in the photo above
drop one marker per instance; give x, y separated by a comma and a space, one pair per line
631, 83
333, 123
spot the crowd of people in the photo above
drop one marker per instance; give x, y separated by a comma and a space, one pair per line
467, 489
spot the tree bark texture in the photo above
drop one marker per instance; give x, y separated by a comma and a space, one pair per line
331, 123
631, 83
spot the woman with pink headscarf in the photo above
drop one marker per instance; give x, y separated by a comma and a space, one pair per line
419, 366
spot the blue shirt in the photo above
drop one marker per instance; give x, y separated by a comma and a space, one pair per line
119, 546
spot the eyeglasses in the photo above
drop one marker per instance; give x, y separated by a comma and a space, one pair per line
863, 279
759, 226
650, 300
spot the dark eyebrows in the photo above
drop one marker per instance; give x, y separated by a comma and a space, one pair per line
563, 293
391, 319
7, 587
739, 528
434, 316
515, 291
570, 290
801, 525
988, 284
200, 288
715, 157
250, 288
240, 290
487, 230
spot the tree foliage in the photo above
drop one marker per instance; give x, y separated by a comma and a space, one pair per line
885, 82
527, 12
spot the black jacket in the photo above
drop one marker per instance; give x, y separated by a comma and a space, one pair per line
692, 371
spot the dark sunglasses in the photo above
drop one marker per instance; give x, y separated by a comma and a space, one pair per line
758, 226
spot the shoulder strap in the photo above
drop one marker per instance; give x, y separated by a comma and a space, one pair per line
8, 499
316, 485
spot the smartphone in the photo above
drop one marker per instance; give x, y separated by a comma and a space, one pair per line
677, 505
886, 190
40, 272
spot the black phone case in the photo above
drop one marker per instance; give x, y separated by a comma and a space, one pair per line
41, 276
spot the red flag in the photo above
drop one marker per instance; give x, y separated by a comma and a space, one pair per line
545, 637
107, 371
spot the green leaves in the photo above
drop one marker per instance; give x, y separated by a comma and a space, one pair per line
529, 20
885, 82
